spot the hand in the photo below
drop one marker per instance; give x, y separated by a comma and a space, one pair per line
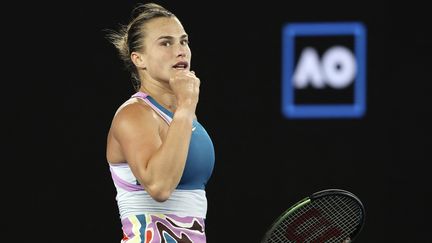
185, 86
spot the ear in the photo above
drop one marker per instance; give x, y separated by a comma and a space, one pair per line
138, 59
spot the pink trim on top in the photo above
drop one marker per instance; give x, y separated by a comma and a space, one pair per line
121, 164
124, 184
143, 96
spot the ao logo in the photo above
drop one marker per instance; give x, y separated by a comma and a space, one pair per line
337, 68
323, 65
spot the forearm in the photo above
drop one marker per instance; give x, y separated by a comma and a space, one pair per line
165, 168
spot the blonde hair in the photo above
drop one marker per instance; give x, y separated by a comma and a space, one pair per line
129, 38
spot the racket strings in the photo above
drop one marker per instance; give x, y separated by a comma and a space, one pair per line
343, 212
338, 213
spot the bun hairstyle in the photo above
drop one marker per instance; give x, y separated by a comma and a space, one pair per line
129, 38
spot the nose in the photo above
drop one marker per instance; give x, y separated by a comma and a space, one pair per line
181, 54
181, 51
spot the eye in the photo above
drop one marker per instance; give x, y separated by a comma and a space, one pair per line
184, 42
166, 43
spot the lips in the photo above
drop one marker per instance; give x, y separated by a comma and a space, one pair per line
181, 65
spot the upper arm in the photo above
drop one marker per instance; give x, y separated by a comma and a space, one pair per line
136, 129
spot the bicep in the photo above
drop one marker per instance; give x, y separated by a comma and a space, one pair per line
137, 132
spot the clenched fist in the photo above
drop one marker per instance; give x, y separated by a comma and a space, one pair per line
185, 86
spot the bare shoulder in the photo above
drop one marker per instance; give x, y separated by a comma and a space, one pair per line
134, 126
134, 114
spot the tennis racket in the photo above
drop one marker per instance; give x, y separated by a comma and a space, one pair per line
331, 215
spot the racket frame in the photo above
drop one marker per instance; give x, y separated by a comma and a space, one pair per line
309, 199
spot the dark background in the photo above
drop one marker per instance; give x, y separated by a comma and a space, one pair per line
64, 82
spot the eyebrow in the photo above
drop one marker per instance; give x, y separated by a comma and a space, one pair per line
171, 37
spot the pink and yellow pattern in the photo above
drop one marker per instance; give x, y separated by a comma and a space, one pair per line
163, 228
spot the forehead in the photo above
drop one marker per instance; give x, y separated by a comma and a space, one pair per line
164, 26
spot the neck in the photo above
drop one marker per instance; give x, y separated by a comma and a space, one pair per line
161, 92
